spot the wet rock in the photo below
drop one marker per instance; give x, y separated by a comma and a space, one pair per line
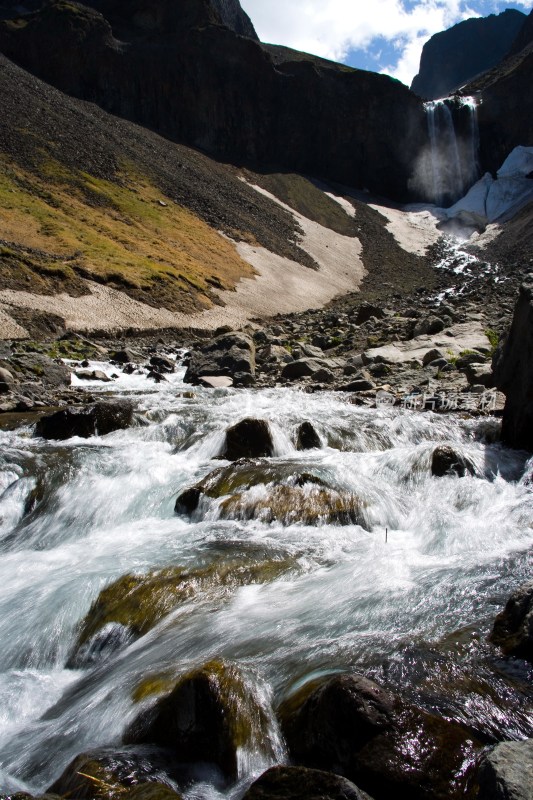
506, 772
125, 356
250, 438
300, 783
155, 375
513, 627
306, 437
93, 375
446, 461
111, 774
513, 371
135, 603
210, 715
275, 492
224, 355
96, 420
105, 642
350, 724
163, 364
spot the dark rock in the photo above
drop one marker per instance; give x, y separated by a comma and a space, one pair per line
300, 783
428, 326
324, 376
506, 772
188, 500
367, 311
155, 375
125, 356
96, 420
469, 359
453, 57
432, 355
303, 368
306, 437
163, 364
250, 438
513, 373
225, 355
446, 461
513, 627
101, 646
387, 747
93, 375
209, 716
361, 385
109, 774
243, 380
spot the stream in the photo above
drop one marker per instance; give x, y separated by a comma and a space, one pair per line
407, 597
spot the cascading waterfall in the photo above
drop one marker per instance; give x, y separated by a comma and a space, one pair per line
454, 148
429, 557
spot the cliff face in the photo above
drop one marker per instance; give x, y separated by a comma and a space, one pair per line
452, 58
187, 75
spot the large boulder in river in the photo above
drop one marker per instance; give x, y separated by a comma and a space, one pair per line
513, 627
513, 373
306, 437
132, 605
389, 748
249, 438
95, 420
287, 493
506, 772
226, 355
111, 774
212, 715
447, 461
300, 783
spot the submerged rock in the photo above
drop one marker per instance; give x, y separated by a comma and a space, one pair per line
513, 627
389, 748
211, 715
270, 492
96, 420
135, 603
109, 775
300, 783
506, 772
250, 438
446, 461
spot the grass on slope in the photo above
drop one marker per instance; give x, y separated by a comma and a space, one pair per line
57, 226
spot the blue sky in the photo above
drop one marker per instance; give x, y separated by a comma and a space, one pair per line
380, 35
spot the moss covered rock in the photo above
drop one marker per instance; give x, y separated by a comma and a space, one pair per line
110, 775
135, 603
211, 715
282, 492
386, 746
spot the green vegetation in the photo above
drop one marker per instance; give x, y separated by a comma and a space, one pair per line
493, 337
61, 225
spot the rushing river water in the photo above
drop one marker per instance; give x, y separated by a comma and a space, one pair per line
407, 598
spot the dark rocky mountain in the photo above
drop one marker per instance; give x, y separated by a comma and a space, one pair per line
525, 36
198, 82
455, 56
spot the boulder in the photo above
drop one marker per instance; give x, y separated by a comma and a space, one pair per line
306, 437
95, 420
225, 355
303, 368
360, 385
163, 364
211, 715
274, 492
6, 381
446, 461
215, 382
428, 326
367, 311
350, 725
130, 606
93, 375
250, 438
513, 373
513, 627
300, 783
506, 772
432, 355
108, 774
125, 356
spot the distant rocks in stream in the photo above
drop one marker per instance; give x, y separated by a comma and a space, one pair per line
95, 420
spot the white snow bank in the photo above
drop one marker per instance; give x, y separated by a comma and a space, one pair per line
491, 200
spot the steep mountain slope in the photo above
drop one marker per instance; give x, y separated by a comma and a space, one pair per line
524, 37
86, 194
455, 56
187, 76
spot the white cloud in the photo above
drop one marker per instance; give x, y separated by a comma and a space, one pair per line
331, 28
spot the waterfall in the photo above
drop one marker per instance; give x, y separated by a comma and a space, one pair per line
454, 147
